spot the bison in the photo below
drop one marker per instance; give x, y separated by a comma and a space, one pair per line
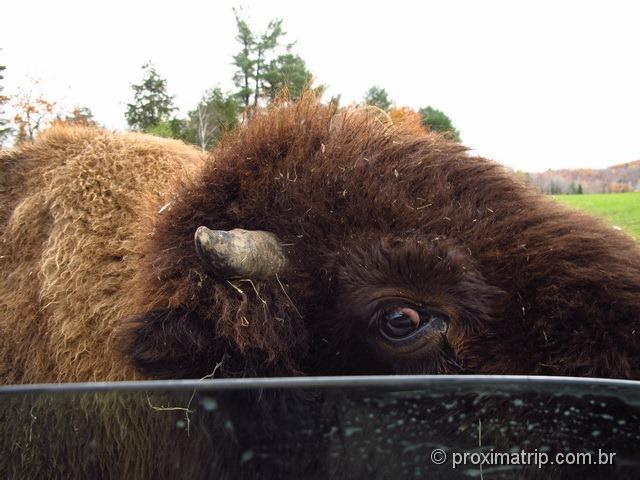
313, 241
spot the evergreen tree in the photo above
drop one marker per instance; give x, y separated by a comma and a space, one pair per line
244, 62
290, 71
265, 66
151, 102
263, 49
436, 120
378, 97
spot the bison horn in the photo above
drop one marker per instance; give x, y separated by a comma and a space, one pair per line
240, 253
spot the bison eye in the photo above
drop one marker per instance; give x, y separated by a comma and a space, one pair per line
399, 323
403, 323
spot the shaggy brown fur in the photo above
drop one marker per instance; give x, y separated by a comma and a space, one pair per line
98, 275
70, 207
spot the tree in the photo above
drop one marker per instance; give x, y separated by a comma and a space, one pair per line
335, 101
378, 97
80, 116
244, 62
33, 111
216, 113
436, 120
174, 128
525, 177
573, 188
555, 187
5, 130
265, 66
287, 71
410, 120
265, 46
151, 102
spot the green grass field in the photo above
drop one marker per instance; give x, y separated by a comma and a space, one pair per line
621, 209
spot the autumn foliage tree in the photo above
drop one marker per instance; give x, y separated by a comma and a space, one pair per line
410, 120
81, 116
33, 112
5, 130
425, 119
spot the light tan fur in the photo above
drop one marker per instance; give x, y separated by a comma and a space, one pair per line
70, 210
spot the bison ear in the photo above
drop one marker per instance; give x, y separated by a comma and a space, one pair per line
171, 343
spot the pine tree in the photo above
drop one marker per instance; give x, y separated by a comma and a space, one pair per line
265, 66
287, 71
265, 47
243, 60
436, 120
378, 97
151, 102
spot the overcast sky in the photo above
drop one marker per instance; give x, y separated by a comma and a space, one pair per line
534, 85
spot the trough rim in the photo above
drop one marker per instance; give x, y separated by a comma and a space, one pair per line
438, 383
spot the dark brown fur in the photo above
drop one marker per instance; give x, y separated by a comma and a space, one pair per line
369, 213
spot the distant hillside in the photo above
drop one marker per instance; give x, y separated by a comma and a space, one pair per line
624, 177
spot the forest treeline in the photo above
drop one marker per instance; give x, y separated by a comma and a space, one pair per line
624, 177
265, 64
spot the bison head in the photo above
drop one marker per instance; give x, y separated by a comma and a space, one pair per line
335, 243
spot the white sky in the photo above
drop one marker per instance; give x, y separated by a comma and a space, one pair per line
534, 85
